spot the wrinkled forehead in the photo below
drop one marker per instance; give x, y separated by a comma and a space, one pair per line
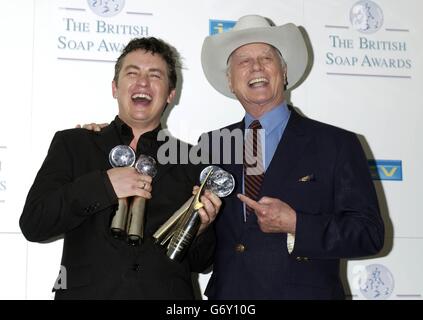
253, 49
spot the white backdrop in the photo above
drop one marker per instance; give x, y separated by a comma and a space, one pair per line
57, 66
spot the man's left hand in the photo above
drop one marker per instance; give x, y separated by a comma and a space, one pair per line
273, 215
211, 207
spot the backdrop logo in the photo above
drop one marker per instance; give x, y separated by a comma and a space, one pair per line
376, 50
376, 282
386, 169
219, 26
106, 8
366, 17
87, 34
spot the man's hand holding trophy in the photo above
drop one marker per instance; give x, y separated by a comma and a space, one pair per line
134, 182
181, 228
145, 165
121, 156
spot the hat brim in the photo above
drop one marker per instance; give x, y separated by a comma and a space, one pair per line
286, 38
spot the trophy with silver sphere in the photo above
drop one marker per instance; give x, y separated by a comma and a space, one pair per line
183, 225
121, 156
135, 229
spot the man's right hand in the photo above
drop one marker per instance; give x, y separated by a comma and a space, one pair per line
93, 126
127, 182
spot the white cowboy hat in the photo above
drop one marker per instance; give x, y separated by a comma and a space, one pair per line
252, 29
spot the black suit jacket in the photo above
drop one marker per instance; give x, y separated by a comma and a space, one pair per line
72, 196
322, 173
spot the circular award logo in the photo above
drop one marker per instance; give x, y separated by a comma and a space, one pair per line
377, 283
106, 8
366, 16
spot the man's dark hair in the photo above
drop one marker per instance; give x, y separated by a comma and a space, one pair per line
154, 46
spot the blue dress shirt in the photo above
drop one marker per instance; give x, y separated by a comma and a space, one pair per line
274, 123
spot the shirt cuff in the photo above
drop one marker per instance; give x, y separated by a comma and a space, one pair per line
290, 242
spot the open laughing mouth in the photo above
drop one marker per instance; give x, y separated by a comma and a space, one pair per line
142, 99
258, 82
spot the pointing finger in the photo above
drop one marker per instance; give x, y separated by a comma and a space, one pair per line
249, 202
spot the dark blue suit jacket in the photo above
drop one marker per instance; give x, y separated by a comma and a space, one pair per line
337, 217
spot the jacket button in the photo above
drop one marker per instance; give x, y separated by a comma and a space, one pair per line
240, 247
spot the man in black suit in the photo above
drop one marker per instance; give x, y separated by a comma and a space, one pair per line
76, 191
312, 203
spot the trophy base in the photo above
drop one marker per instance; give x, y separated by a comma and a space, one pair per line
117, 233
134, 241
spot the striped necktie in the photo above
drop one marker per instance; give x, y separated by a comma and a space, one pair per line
253, 163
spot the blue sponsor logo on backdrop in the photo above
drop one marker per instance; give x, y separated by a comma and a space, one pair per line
386, 169
219, 26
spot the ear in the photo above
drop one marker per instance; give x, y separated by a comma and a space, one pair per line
171, 96
114, 89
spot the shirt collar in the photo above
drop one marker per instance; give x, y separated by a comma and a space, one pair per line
126, 131
272, 119
147, 143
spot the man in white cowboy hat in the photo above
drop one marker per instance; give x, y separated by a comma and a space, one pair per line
282, 234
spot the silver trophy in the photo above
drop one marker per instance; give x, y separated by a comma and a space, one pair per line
221, 182
135, 228
121, 156
183, 225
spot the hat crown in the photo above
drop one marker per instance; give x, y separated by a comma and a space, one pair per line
287, 38
251, 21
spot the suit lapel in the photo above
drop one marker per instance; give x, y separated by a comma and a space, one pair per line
234, 208
107, 139
288, 152
234, 168
161, 171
